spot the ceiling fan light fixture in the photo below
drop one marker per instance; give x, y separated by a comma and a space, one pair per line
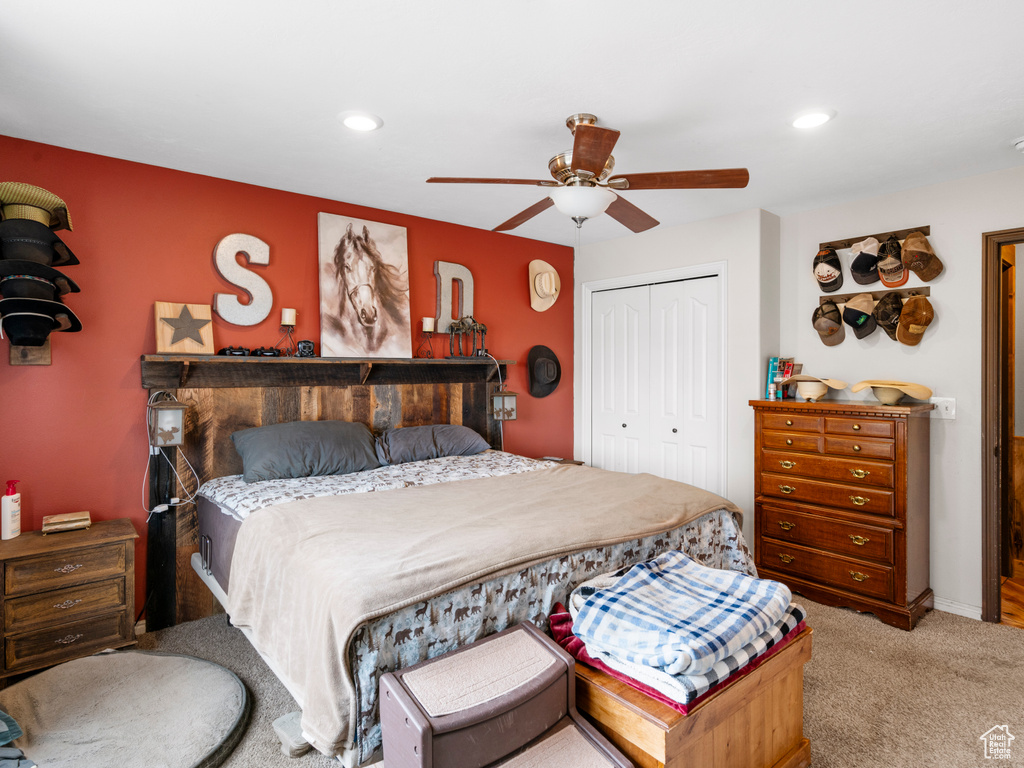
360, 121
813, 118
582, 201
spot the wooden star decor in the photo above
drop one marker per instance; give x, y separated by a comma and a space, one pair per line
183, 329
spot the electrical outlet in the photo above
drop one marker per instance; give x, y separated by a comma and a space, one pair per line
945, 407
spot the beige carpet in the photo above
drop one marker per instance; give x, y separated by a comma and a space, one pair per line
873, 695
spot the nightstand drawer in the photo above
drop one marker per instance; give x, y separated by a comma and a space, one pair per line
60, 569
63, 605
68, 641
875, 501
841, 536
846, 573
854, 471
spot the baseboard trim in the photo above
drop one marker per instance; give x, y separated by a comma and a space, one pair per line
960, 609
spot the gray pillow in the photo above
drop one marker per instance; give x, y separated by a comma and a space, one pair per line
304, 449
397, 446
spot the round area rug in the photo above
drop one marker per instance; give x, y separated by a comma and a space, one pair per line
130, 708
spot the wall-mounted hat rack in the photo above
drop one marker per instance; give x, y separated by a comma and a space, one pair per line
905, 293
901, 234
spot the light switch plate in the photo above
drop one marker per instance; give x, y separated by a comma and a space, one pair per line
945, 407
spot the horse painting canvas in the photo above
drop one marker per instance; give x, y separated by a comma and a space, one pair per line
364, 288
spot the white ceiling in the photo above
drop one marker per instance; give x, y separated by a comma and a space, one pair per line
250, 90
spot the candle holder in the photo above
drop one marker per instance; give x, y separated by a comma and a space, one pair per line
426, 347
288, 340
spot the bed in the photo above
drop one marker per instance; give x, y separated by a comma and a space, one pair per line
433, 554
227, 395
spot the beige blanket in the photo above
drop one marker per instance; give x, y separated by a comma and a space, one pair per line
306, 574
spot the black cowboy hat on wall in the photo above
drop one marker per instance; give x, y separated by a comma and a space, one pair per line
545, 371
30, 287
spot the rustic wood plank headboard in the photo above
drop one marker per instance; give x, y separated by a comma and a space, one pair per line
226, 394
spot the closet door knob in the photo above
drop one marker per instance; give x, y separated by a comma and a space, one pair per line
674, 430
623, 426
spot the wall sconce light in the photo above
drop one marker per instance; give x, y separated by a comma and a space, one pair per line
503, 405
166, 421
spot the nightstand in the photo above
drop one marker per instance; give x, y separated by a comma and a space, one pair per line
66, 595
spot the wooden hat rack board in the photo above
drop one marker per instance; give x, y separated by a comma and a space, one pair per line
876, 289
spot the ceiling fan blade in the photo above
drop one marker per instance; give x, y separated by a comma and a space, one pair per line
630, 216
524, 216
464, 180
591, 148
723, 178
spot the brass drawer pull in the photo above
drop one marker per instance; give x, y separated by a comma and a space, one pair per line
789, 422
789, 442
858, 576
860, 473
787, 488
856, 448
787, 559
860, 501
68, 568
787, 464
69, 639
856, 427
860, 541
786, 525
67, 604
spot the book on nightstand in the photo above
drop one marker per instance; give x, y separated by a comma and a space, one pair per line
71, 521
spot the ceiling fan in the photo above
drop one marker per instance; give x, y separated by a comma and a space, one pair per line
582, 185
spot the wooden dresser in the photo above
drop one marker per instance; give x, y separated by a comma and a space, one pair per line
67, 595
841, 503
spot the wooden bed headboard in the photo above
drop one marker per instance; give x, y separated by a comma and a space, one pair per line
226, 394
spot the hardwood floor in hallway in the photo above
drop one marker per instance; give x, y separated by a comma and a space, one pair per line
1012, 604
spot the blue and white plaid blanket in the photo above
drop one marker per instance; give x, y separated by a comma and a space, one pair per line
674, 614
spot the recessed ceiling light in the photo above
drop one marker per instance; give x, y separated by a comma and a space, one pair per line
360, 121
813, 118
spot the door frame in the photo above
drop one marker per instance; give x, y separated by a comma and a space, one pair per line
992, 409
717, 269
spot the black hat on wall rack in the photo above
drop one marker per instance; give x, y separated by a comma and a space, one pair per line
31, 286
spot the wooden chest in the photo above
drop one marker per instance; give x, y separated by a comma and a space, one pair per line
841, 504
66, 595
756, 721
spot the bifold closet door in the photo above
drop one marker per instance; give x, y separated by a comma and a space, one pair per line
656, 367
685, 380
620, 365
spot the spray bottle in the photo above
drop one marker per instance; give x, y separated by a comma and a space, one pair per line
10, 511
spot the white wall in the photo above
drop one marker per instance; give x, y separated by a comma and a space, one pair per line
948, 359
749, 245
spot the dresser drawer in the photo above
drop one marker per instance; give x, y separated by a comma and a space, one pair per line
855, 471
60, 569
875, 501
793, 441
845, 573
791, 422
57, 644
61, 606
841, 536
855, 446
841, 425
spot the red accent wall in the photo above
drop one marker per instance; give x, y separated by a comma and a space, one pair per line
74, 432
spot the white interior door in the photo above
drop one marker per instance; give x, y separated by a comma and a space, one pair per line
620, 328
686, 378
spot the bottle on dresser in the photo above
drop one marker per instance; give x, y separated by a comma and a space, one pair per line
10, 511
